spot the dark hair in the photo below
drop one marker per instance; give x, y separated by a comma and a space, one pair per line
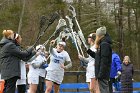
93, 36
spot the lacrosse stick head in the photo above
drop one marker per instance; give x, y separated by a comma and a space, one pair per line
53, 17
72, 10
63, 36
61, 23
70, 21
42, 20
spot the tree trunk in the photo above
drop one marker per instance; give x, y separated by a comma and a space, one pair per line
121, 28
138, 31
136, 36
79, 10
21, 17
130, 31
97, 7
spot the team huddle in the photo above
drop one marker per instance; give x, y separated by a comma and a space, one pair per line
13, 59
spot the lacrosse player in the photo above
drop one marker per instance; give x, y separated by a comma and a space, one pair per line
90, 70
34, 68
55, 69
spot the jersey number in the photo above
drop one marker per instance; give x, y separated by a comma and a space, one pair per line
56, 61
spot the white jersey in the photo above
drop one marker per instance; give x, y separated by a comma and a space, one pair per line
91, 60
36, 72
56, 59
54, 71
90, 70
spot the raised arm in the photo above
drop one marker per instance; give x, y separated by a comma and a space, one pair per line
15, 51
51, 47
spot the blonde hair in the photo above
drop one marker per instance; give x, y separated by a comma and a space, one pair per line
127, 58
7, 33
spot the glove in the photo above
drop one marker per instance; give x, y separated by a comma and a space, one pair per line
118, 74
44, 66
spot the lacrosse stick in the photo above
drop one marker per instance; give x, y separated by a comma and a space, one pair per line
64, 35
43, 20
42, 23
61, 23
71, 28
51, 20
79, 43
72, 10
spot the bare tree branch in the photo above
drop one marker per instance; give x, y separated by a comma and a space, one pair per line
21, 17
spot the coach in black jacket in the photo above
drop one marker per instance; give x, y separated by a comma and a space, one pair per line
10, 56
103, 59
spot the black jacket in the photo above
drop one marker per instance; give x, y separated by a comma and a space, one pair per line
103, 58
126, 78
10, 56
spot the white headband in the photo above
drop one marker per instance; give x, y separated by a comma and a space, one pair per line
16, 36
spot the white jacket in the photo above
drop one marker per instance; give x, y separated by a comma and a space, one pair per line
22, 79
0, 76
36, 72
23, 70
